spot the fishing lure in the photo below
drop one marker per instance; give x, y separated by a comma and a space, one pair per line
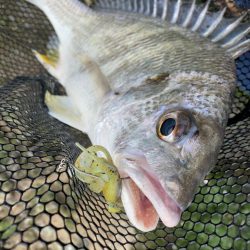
95, 167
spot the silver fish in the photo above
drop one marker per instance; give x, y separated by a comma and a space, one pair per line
151, 81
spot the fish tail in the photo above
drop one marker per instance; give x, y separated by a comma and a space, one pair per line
230, 34
76, 6
60, 17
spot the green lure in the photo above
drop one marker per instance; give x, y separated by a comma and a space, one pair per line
94, 166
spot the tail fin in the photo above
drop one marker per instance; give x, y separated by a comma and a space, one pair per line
229, 34
59, 15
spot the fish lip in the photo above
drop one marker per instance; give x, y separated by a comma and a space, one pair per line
166, 207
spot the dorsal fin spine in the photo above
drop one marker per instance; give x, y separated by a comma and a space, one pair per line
176, 11
130, 5
113, 4
239, 49
201, 17
215, 24
148, 8
103, 3
141, 10
154, 14
135, 6
123, 5
228, 29
233, 41
189, 15
165, 10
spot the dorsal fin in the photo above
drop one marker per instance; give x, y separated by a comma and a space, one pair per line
230, 34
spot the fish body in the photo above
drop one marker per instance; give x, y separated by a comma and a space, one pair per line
155, 93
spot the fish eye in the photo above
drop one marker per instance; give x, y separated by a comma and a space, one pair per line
167, 126
172, 126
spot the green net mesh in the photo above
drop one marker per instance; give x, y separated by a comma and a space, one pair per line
42, 205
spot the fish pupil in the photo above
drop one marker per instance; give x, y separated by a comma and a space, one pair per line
168, 126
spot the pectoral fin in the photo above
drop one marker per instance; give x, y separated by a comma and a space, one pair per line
64, 110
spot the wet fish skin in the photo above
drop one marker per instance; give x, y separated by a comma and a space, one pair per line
183, 164
123, 73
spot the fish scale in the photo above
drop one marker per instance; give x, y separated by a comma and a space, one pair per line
147, 53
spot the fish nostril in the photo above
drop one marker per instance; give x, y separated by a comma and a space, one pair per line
130, 159
196, 133
125, 178
183, 163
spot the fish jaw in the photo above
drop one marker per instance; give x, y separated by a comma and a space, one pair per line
138, 208
144, 198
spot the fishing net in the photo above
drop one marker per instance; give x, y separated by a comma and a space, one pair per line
42, 205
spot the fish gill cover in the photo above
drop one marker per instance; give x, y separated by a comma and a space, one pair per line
42, 206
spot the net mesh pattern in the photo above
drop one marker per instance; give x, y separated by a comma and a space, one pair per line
42, 204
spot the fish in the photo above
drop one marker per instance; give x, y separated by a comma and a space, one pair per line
151, 81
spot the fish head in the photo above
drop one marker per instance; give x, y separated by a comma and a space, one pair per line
163, 148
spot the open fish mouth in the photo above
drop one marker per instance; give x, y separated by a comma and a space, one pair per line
144, 198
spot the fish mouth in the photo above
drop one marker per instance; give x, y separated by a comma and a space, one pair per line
144, 198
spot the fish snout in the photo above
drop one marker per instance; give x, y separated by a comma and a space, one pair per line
143, 195
183, 188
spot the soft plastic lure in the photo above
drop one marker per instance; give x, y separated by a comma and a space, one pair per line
94, 166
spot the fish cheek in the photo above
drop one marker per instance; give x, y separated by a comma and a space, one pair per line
201, 152
206, 145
